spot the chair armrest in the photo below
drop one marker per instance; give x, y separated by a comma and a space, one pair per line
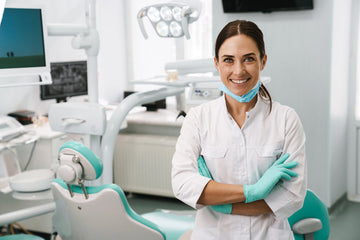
307, 225
26, 213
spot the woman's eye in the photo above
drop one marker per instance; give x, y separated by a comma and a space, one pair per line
249, 59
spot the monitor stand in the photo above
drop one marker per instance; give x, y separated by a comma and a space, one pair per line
60, 100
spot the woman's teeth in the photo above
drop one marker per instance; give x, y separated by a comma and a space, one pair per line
239, 81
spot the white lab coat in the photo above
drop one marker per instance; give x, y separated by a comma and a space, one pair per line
240, 156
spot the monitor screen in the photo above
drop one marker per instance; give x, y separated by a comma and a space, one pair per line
69, 79
232, 6
21, 39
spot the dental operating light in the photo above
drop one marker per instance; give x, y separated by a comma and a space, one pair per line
170, 20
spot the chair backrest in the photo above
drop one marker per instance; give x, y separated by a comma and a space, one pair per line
314, 211
100, 212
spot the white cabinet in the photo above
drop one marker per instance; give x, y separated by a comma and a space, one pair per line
144, 151
142, 163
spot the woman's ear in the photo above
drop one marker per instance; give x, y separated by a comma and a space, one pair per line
216, 64
263, 62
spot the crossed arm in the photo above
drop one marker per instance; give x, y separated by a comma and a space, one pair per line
244, 199
216, 193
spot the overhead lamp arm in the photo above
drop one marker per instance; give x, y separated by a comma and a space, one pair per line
140, 16
185, 14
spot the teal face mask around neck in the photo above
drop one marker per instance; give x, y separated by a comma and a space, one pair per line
244, 98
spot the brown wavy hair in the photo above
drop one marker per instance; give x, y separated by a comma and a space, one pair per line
251, 30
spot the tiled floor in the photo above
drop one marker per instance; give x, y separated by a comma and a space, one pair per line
344, 220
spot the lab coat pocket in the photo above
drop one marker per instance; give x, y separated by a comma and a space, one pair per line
267, 155
214, 158
214, 151
269, 151
280, 234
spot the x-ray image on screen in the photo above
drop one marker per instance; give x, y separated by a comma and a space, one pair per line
69, 79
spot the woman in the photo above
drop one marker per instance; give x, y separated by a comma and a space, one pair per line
239, 138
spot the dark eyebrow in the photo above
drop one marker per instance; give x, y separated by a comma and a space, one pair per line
249, 54
227, 56
245, 55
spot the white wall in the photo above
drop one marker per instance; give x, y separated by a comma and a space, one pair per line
112, 58
301, 48
339, 98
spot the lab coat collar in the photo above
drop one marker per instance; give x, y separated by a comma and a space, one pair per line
259, 107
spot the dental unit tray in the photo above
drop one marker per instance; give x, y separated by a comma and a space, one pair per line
32, 181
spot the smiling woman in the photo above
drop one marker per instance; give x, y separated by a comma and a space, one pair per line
240, 159
239, 64
240, 52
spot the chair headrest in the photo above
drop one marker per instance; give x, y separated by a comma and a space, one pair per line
77, 162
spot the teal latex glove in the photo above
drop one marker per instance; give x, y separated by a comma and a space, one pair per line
204, 171
279, 170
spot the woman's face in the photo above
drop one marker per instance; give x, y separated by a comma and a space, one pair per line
239, 64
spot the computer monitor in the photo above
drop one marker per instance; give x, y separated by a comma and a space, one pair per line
153, 106
23, 45
69, 79
231, 6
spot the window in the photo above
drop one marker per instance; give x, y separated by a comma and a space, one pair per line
357, 84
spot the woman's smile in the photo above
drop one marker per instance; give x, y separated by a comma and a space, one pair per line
239, 80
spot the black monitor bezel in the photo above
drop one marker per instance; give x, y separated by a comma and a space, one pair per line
266, 6
61, 97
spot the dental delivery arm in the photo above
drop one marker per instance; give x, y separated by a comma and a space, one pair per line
216, 193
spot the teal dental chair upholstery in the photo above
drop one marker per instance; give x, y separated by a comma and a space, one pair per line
312, 220
21, 237
102, 212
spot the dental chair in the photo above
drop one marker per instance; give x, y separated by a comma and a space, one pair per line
102, 212
312, 220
